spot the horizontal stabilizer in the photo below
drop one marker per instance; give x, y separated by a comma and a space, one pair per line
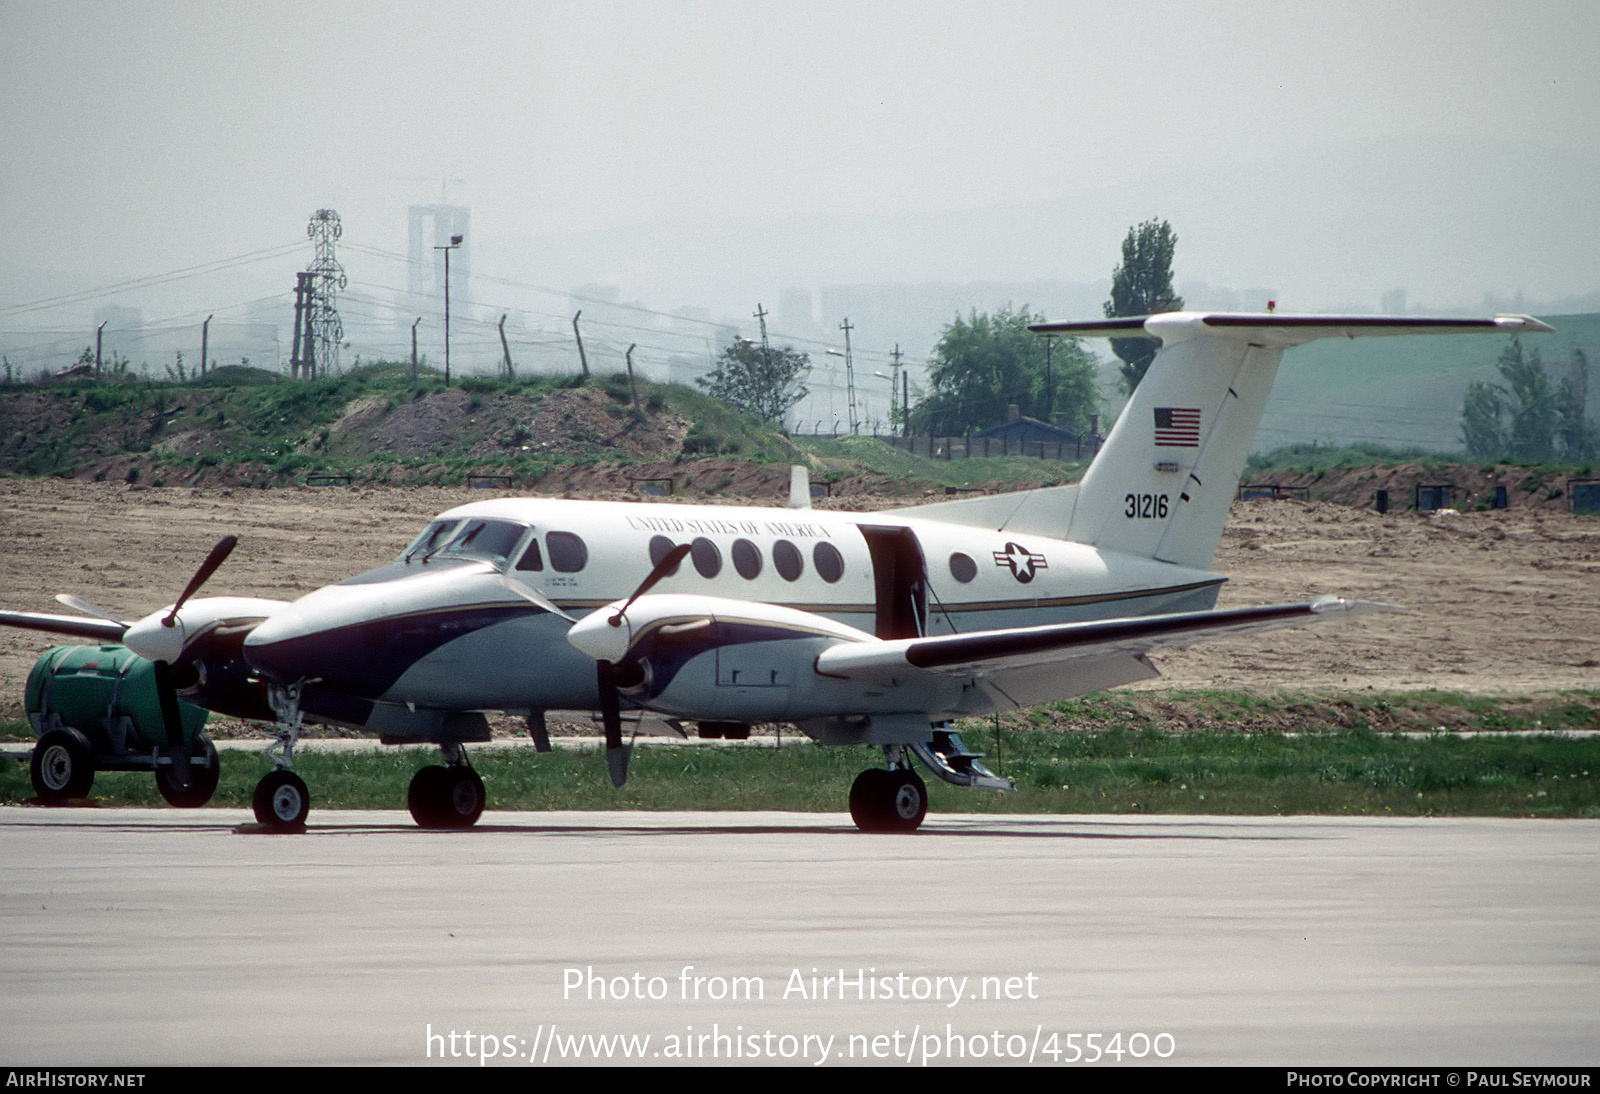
1273, 328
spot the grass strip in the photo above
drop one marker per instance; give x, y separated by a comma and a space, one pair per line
1355, 772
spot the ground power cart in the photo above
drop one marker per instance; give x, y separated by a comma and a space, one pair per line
98, 708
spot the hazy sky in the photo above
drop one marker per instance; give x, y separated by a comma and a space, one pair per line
142, 138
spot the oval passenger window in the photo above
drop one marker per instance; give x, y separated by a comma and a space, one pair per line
568, 553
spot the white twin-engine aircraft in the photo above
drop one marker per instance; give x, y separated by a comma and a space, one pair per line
859, 628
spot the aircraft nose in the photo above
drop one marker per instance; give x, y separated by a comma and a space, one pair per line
282, 648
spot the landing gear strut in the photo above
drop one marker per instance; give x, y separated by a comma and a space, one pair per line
888, 800
281, 800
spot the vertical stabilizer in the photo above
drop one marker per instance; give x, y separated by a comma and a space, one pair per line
1162, 483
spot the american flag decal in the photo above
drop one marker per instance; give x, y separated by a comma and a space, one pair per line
1178, 427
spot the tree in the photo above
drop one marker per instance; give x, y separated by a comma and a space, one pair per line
1142, 285
985, 362
763, 381
1528, 417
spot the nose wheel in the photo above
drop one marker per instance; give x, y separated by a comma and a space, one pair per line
281, 801
888, 800
446, 797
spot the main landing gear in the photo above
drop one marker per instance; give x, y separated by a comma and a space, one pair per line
447, 796
893, 799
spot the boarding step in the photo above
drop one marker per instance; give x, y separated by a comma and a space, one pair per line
950, 759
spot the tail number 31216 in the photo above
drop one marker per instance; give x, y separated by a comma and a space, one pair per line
1146, 507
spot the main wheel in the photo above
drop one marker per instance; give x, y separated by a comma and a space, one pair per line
204, 771
62, 767
464, 797
281, 801
869, 796
446, 797
425, 795
908, 801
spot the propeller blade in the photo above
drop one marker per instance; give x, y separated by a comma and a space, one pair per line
87, 608
668, 564
217, 557
617, 754
172, 718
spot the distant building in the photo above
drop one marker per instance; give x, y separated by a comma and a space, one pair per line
1022, 430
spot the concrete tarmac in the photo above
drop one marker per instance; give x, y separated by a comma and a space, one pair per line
154, 936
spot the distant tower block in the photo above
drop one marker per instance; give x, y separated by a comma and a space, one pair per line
327, 281
431, 228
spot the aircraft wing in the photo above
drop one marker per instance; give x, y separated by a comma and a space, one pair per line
77, 626
1020, 652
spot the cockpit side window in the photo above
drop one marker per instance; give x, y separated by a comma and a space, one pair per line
531, 558
432, 537
490, 539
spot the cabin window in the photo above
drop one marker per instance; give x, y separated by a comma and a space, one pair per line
707, 559
788, 560
746, 559
962, 568
568, 552
660, 548
828, 561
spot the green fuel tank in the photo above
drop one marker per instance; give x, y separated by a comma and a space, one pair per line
108, 693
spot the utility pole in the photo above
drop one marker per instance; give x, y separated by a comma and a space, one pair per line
205, 341
850, 376
98, 331
633, 387
511, 372
1049, 385
414, 350
299, 360
578, 334
894, 384
455, 241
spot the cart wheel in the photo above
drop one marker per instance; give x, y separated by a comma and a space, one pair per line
62, 767
204, 771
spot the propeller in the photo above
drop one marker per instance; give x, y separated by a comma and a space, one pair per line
219, 554
161, 639
618, 754
669, 564
87, 608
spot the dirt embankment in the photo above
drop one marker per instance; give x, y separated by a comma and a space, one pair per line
1469, 486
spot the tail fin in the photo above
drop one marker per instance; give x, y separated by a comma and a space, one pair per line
1161, 484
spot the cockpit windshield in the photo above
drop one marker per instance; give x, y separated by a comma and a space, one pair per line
471, 538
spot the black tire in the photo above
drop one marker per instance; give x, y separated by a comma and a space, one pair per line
869, 796
907, 801
204, 771
62, 767
464, 798
425, 796
281, 801
446, 797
